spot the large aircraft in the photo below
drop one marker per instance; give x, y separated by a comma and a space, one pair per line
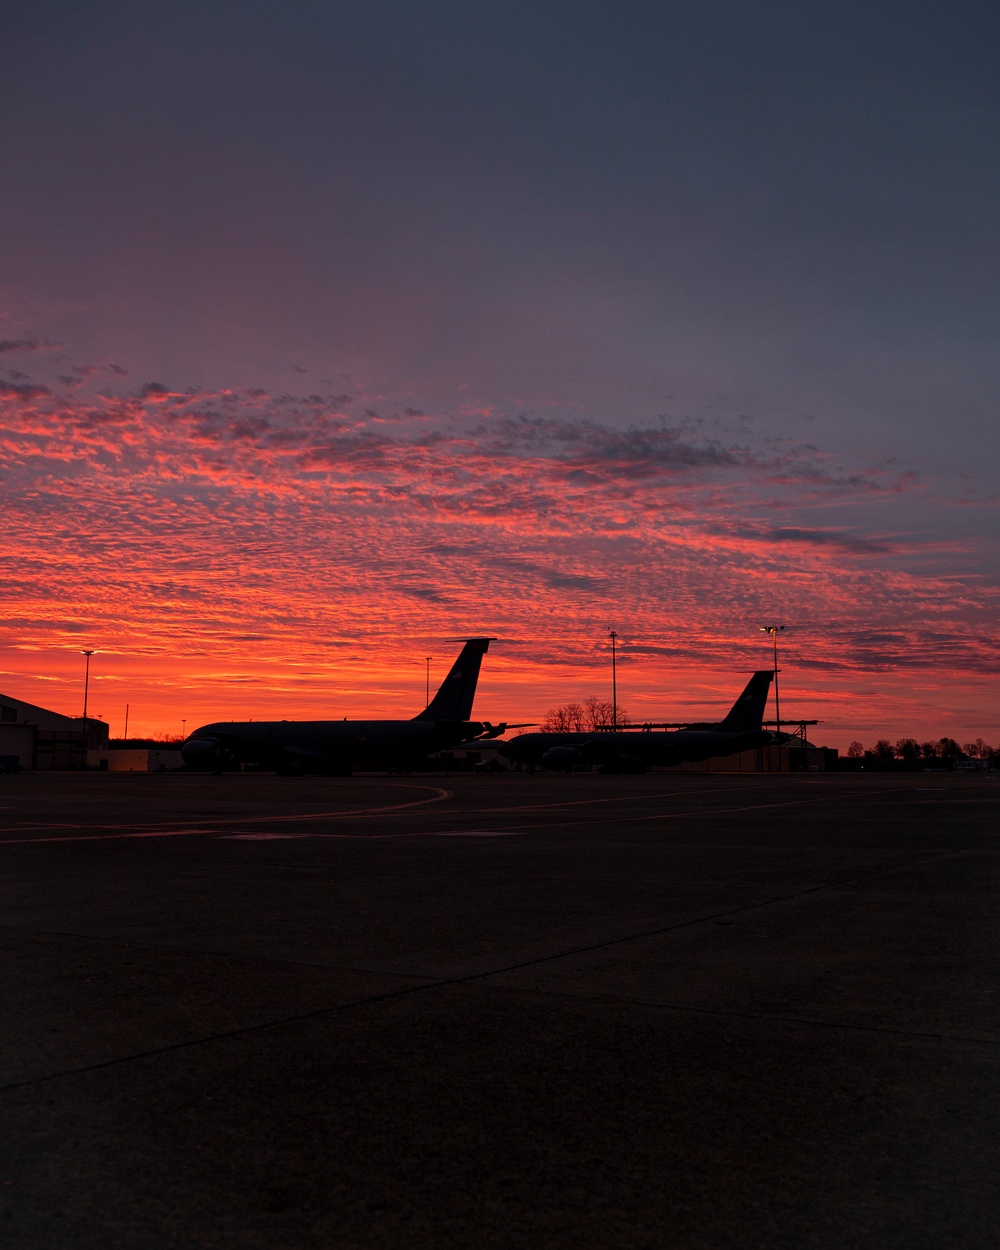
337, 747
634, 750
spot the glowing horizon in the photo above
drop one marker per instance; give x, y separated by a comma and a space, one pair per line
236, 553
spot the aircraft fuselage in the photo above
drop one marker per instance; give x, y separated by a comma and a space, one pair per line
323, 746
631, 748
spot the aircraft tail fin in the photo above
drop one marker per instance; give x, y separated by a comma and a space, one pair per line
747, 713
453, 700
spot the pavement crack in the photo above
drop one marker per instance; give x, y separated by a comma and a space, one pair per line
448, 982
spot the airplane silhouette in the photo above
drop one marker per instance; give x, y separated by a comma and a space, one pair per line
338, 747
634, 750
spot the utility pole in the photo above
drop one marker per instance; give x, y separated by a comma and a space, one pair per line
427, 682
86, 689
614, 683
126, 723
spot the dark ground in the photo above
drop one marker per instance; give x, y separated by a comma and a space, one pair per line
582, 1012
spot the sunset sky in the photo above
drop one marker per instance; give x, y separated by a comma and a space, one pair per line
331, 332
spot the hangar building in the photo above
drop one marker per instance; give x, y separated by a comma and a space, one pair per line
42, 739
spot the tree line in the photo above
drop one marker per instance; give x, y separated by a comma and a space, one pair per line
944, 751
593, 714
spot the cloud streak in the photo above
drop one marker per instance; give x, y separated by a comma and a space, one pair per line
27, 345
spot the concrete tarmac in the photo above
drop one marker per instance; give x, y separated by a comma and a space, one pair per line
508, 1011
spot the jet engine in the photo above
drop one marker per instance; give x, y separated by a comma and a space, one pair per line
208, 755
560, 758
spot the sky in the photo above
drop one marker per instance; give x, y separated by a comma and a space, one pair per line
332, 332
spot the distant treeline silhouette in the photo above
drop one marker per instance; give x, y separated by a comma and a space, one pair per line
943, 751
160, 740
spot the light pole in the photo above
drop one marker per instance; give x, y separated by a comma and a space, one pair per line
774, 630
183, 727
614, 683
86, 690
427, 682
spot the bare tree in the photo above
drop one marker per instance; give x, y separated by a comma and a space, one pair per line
586, 717
565, 719
856, 751
600, 714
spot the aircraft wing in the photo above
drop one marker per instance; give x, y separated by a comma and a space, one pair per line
498, 731
492, 731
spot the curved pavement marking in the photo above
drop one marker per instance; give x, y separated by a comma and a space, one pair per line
622, 819
441, 795
615, 798
438, 796
377, 837
749, 807
670, 794
480, 833
260, 837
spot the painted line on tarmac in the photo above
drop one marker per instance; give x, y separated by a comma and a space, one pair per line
618, 798
157, 831
749, 807
259, 837
670, 794
522, 829
481, 833
110, 837
438, 795
378, 837
623, 818
614, 820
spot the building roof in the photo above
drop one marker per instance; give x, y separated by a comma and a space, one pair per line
31, 714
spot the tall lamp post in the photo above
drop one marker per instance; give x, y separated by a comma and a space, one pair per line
427, 682
774, 630
614, 683
86, 689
